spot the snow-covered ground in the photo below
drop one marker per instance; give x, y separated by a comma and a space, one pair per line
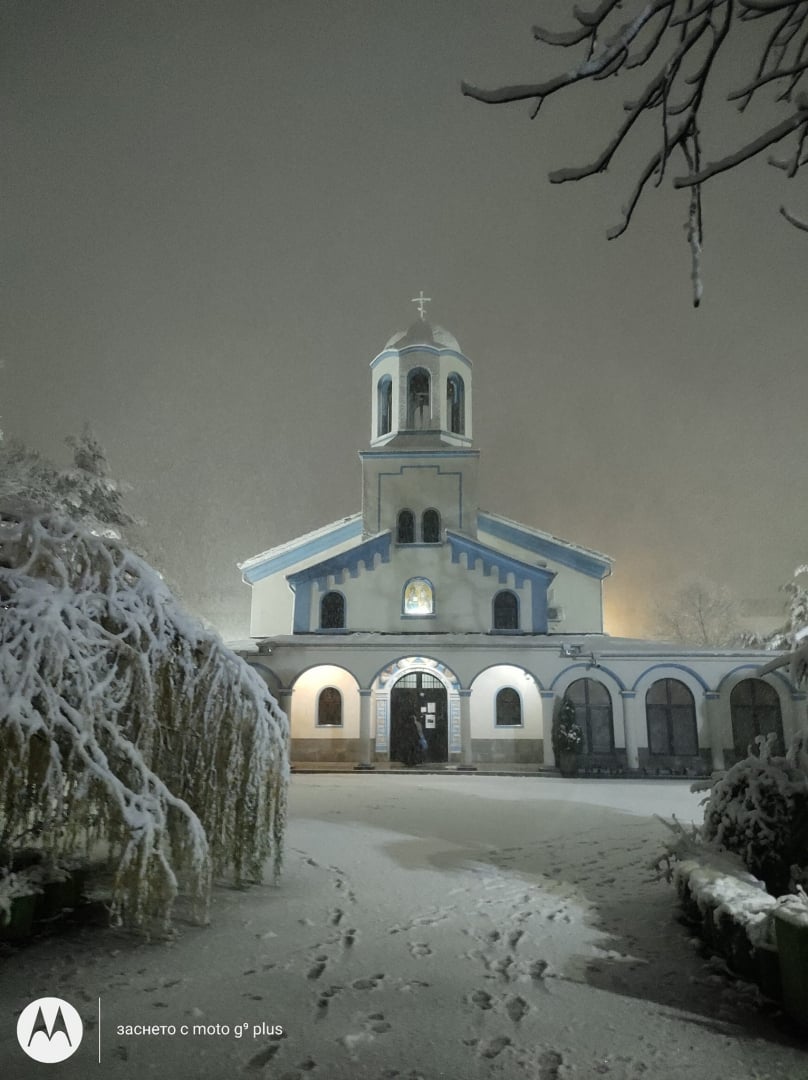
453, 927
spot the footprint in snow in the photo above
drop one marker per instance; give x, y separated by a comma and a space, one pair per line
324, 998
369, 983
316, 970
481, 999
550, 1061
516, 1008
262, 1058
495, 1047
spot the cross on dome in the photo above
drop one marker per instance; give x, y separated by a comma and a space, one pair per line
420, 300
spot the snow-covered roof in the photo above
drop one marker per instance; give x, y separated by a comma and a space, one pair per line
593, 563
302, 547
422, 332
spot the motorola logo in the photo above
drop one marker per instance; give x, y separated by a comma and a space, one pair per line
49, 1030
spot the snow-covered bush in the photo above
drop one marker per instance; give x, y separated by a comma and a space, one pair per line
759, 810
128, 728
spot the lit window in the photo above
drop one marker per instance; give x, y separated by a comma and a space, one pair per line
418, 597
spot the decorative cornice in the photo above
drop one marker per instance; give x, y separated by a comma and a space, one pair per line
363, 555
496, 561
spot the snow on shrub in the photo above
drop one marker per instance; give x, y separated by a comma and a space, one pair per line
125, 723
759, 810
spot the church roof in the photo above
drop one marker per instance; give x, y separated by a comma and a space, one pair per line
592, 563
302, 547
422, 332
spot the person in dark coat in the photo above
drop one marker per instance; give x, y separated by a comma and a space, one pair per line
414, 742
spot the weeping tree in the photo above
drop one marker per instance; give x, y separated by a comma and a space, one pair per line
127, 730
679, 59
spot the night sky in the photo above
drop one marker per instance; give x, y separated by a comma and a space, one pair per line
214, 215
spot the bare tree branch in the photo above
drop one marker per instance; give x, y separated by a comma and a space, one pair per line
684, 40
768, 138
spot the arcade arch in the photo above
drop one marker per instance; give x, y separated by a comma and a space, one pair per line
324, 714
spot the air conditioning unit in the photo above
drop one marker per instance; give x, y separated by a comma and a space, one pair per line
555, 614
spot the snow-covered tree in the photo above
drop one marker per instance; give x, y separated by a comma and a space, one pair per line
127, 730
88, 492
85, 492
796, 624
685, 62
793, 635
699, 613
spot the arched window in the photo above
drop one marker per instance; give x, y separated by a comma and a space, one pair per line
418, 412
430, 527
406, 527
506, 611
329, 707
384, 405
671, 716
419, 598
455, 404
593, 714
332, 611
754, 706
509, 708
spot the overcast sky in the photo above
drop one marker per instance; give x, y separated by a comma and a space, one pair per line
215, 213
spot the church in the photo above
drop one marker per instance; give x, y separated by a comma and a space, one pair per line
425, 604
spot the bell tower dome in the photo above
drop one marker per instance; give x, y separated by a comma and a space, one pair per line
421, 386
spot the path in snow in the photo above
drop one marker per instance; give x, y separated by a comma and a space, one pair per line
426, 927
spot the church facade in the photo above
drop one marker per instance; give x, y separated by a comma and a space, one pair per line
423, 603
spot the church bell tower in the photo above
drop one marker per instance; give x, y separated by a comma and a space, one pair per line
421, 460
422, 388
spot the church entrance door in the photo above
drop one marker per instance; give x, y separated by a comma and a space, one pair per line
424, 696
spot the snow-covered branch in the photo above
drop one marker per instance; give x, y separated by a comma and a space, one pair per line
684, 40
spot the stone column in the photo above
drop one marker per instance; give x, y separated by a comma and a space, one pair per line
364, 764
629, 730
284, 699
712, 703
465, 731
548, 705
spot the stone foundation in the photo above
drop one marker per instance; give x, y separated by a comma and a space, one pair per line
505, 751
324, 750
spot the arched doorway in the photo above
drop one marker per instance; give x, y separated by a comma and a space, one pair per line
420, 694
